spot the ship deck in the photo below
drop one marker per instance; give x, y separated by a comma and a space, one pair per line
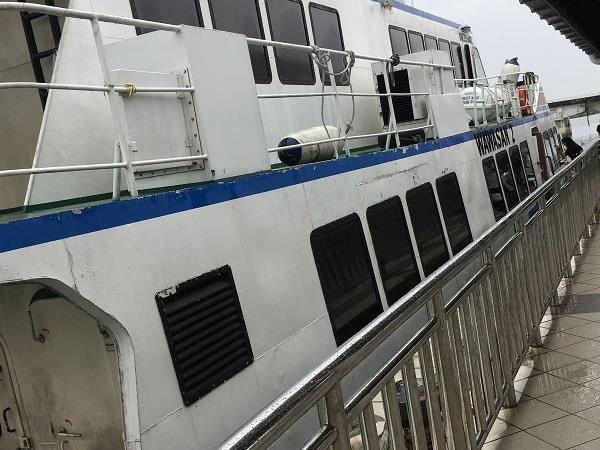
558, 385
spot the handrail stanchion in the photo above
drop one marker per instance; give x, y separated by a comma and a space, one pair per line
336, 417
447, 371
116, 109
475, 118
393, 125
338, 110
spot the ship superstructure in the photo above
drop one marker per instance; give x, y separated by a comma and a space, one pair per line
194, 219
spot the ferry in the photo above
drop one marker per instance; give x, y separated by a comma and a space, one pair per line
203, 200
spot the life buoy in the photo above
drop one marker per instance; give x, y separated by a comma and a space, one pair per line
526, 109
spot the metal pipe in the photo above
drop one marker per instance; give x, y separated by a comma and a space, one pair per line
84, 167
91, 88
341, 94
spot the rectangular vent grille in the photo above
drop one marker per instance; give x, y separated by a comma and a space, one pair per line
205, 331
403, 107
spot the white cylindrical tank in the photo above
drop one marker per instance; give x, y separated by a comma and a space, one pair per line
309, 153
510, 71
483, 100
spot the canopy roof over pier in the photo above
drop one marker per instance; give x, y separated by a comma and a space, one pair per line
576, 20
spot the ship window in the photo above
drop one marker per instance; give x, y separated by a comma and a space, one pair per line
286, 18
327, 31
431, 43
519, 171
507, 179
346, 276
427, 227
416, 42
205, 332
550, 150
403, 107
453, 210
393, 248
479, 70
243, 16
494, 189
529, 170
445, 47
457, 57
186, 12
467, 55
399, 40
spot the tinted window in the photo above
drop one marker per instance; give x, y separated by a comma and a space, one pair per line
183, 12
427, 227
494, 189
459, 71
453, 210
286, 18
469, 63
445, 46
416, 42
243, 16
327, 32
431, 43
399, 41
529, 171
346, 276
551, 152
519, 171
507, 179
393, 248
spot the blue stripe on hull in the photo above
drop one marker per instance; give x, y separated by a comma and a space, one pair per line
37, 230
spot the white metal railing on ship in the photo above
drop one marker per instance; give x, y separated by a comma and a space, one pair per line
121, 158
531, 86
457, 371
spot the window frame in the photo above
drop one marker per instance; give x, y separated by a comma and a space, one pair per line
440, 223
467, 49
443, 179
262, 33
138, 30
497, 174
449, 53
403, 232
403, 30
311, 63
340, 335
510, 208
525, 145
312, 5
437, 45
458, 65
510, 151
415, 33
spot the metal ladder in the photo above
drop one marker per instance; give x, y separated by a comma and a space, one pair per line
35, 55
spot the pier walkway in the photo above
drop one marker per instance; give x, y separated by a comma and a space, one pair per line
558, 385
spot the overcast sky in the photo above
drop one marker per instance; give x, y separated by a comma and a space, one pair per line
504, 29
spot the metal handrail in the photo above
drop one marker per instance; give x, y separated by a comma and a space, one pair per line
324, 382
117, 109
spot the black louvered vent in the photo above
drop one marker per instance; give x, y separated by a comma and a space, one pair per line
206, 333
403, 108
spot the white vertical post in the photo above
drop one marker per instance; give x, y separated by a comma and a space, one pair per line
338, 110
116, 109
116, 172
475, 119
393, 124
